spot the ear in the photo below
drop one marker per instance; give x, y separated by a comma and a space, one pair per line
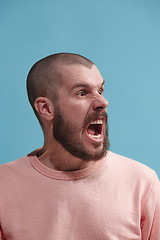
45, 108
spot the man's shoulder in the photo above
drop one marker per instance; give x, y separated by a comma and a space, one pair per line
12, 163
131, 168
9, 168
20, 162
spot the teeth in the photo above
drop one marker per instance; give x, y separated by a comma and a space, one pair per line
95, 136
97, 122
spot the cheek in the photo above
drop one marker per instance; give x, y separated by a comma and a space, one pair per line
76, 111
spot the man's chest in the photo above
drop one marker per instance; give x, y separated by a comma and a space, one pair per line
72, 212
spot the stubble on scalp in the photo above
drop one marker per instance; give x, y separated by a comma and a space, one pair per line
45, 78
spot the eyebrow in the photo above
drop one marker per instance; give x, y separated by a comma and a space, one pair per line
85, 85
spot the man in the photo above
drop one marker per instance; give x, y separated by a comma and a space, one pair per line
74, 187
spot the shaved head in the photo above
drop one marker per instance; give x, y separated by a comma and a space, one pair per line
45, 76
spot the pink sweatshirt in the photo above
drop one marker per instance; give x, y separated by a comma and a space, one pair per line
114, 199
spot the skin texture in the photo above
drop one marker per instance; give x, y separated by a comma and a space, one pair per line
80, 102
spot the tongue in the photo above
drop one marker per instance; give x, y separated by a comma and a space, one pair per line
91, 130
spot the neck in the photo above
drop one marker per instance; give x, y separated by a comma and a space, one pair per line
54, 156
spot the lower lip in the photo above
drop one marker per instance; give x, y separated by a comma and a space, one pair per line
94, 139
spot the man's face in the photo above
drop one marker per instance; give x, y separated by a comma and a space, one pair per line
80, 123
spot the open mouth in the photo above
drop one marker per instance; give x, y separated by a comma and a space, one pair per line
94, 130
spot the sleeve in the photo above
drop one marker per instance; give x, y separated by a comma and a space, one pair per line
150, 221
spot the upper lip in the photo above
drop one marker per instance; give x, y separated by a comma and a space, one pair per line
96, 121
99, 120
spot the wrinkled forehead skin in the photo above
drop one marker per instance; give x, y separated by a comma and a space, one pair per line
76, 73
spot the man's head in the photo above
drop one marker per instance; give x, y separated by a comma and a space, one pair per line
66, 90
44, 78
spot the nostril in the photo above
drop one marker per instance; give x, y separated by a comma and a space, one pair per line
99, 104
98, 108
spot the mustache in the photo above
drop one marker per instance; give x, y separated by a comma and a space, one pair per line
95, 116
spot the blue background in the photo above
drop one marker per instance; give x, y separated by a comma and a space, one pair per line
122, 37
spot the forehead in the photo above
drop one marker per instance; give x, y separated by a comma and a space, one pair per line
74, 75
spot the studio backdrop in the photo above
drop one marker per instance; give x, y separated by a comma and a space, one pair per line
121, 37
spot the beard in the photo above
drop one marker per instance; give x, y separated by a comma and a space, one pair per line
67, 134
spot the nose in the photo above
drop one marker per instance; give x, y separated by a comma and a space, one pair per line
100, 103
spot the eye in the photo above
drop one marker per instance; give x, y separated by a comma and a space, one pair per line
82, 93
100, 91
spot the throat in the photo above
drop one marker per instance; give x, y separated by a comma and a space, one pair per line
60, 160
